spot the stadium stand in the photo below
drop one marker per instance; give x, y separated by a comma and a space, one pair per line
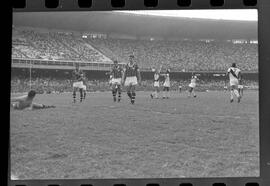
178, 55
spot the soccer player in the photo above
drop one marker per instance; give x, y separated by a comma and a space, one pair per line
180, 88
241, 88
116, 73
192, 85
234, 75
131, 77
156, 84
166, 84
26, 101
77, 82
84, 86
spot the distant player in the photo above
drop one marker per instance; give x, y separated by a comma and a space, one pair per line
156, 84
166, 84
192, 85
234, 75
84, 87
78, 77
131, 77
116, 74
241, 88
26, 101
180, 88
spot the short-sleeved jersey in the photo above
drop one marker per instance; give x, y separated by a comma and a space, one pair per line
131, 70
167, 78
193, 79
78, 75
156, 77
116, 72
233, 73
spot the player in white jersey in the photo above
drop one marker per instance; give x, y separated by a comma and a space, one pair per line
192, 85
156, 84
234, 75
166, 84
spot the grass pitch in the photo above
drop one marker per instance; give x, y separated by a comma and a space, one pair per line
205, 136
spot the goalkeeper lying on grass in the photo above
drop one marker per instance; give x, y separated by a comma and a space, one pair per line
26, 101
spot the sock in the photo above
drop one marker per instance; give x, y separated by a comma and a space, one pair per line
74, 96
232, 94
133, 97
114, 95
119, 96
81, 95
129, 94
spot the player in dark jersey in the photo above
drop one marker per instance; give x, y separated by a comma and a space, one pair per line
131, 77
78, 77
84, 86
26, 101
116, 74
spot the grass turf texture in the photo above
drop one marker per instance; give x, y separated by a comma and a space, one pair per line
205, 136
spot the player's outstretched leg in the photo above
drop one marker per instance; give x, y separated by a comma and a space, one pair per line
41, 106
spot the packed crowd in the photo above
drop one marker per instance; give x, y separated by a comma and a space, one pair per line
53, 46
47, 85
177, 55
184, 55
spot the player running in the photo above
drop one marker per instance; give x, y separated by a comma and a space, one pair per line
192, 85
131, 77
156, 84
166, 84
116, 74
234, 74
78, 77
26, 101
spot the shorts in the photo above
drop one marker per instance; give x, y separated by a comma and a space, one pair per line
192, 85
156, 84
234, 82
131, 81
166, 84
240, 86
116, 81
84, 87
78, 84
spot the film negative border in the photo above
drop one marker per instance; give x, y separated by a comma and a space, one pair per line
83, 5
263, 7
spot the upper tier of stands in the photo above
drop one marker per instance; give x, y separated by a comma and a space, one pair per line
177, 55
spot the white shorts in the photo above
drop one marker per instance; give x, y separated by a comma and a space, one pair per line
131, 81
166, 84
84, 87
78, 84
234, 82
156, 84
116, 81
240, 86
192, 85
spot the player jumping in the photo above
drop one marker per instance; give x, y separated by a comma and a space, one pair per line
131, 77
166, 84
77, 82
26, 101
234, 77
116, 74
192, 85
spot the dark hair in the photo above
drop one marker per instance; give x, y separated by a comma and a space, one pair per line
233, 65
31, 93
115, 61
132, 56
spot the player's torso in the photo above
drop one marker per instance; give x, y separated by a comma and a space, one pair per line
24, 104
117, 72
156, 77
131, 70
167, 78
78, 75
235, 71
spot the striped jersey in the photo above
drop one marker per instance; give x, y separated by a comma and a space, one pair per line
132, 70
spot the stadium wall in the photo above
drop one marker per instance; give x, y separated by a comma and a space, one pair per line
101, 74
